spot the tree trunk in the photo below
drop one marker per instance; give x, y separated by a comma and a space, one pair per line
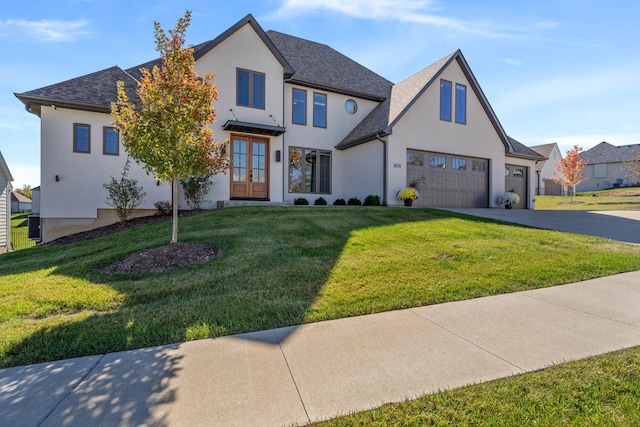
174, 202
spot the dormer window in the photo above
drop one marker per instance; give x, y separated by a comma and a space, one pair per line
250, 88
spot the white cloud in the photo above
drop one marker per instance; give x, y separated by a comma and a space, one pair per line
407, 11
511, 61
44, 30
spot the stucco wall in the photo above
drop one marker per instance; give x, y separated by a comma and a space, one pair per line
348, 170
421, 129
79, 191
244, 49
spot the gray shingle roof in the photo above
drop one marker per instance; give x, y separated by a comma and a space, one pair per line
607, 153
521, 150
92, 92
311, 64
545, 151
318, 65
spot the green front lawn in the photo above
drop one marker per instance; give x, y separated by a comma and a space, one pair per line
598, 391
605, 200
277, 266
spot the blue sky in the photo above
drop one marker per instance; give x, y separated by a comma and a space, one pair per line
562, 71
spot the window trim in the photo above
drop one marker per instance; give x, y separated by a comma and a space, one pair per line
326, 102
251, 103
293, 106
318, 151
448, 117
463, 120
75, 138
104, 141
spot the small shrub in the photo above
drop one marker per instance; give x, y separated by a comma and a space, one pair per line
124, 194
372, 200
300, 201
320, 202
354, 201
195, 189
164, 207
340, 202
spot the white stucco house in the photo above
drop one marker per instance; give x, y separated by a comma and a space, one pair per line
5, 206
546, 170
605, 167
303, 120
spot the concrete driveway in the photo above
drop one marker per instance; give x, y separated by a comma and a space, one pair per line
617, 225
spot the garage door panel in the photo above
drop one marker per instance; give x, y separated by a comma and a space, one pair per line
466, 186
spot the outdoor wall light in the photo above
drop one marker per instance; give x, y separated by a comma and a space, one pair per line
278, 155
57, 178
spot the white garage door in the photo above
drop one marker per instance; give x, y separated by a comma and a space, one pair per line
450, 181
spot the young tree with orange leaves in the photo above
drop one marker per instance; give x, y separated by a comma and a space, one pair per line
169, 134
571, 170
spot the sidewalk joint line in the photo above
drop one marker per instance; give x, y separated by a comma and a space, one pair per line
292, 377
580, 311
469, 341
80, 381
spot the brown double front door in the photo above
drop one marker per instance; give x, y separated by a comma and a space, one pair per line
249, 167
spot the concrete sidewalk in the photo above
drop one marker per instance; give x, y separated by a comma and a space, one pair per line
306, 373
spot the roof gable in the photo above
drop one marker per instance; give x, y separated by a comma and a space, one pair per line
204, 48
405, 94
545, 150
17, 197
607, 153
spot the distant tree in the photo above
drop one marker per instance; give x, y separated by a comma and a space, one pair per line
25, 190
170, 134
632, 169
571, 170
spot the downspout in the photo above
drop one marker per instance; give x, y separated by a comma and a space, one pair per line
384, 169
285, 186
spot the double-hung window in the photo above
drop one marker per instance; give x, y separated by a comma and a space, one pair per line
250, 90
299, 107
110, 141
81, 138
445, 100
309, 170
319, 110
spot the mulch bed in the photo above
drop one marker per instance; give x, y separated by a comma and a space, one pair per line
170, 257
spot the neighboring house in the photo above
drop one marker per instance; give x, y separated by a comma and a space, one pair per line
303, 120
20, 203
605, 167
547, 172
35, 200
5, 209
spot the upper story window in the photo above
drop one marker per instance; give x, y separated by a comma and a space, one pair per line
445, 100
110, 141
81, 138
299, 115
250, 88
461, 104
320, 110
